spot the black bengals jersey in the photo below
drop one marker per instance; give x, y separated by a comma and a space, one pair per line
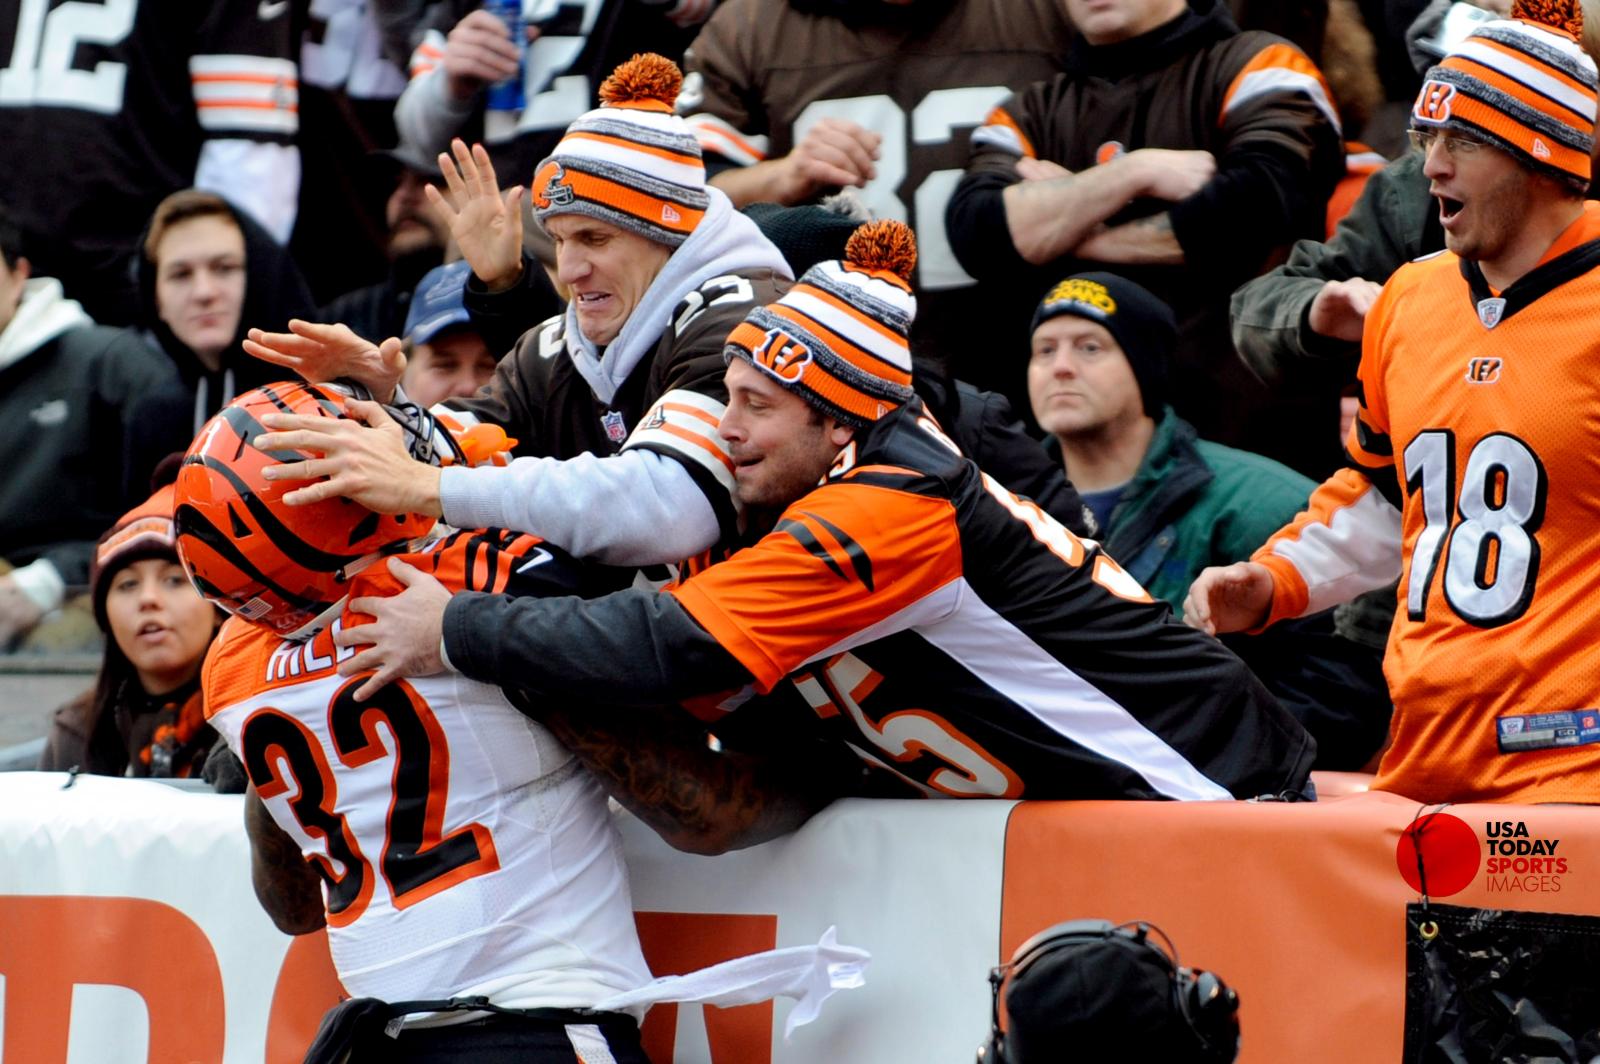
939, 626
670, 403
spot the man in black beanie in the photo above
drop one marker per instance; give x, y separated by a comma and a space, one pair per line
1168, 503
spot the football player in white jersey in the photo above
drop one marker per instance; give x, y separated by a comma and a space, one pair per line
452, 847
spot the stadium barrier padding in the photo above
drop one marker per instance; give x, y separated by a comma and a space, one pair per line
129, 932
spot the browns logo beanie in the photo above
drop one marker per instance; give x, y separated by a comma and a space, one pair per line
631, 161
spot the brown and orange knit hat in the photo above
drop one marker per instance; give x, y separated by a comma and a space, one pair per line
838, 338
631, 161
1525, 87
146, 531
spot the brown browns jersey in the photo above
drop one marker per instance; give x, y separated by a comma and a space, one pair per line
670, 403
1264, 112
1475, 457
762, 73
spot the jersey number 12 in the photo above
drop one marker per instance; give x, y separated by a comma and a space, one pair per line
41, 71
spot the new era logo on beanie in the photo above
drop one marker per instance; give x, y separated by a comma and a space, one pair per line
838, 338
1527, 88
631, 161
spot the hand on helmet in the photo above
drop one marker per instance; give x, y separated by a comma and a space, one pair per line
321, 353
404, 637
363, 458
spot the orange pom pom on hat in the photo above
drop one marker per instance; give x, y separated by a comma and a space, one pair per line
838, 338
630, 161
1525, 87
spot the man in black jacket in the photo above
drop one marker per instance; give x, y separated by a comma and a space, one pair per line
66, 389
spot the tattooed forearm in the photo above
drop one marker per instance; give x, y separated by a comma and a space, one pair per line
285, 883
1144, 241
659, 767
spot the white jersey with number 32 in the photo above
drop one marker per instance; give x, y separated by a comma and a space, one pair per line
463, 849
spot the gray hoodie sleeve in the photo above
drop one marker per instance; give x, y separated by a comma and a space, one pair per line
635, 508
427, 116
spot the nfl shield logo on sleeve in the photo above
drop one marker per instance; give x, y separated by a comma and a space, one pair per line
616, 430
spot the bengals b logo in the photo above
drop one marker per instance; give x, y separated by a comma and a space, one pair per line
782, 355
1433, 103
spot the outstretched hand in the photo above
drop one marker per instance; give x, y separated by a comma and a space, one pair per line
1229, 598
327, 352
486, 225
404, 637
364, 458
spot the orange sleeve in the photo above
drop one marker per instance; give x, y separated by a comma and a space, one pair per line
1349, 537
845, 559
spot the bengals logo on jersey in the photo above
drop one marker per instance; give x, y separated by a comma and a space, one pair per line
1433, 102
782, 355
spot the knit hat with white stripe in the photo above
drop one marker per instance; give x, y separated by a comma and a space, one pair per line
630, 161
838, 338
1526, 88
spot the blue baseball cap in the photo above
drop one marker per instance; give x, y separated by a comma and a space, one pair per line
438, 303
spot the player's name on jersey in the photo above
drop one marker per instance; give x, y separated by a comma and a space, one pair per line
299, 661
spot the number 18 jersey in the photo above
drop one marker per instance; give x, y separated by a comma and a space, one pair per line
463, 849
1476, 457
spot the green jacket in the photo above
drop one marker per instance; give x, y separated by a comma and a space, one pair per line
1194, 503
1393, 222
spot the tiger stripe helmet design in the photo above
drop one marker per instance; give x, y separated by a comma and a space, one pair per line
279, 566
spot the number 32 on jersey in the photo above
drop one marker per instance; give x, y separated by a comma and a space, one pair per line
418, 860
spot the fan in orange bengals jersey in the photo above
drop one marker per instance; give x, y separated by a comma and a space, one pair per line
930, 620
1464, 479
462, 852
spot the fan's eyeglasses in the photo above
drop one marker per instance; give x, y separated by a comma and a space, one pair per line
1455, 144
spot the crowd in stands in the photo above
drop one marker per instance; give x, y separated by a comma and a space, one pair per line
953, 383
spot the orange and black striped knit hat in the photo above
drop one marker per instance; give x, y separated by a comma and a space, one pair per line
838, 338
146, 531
1525, 87
630, 161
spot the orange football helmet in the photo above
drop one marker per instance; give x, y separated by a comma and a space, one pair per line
283, 567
